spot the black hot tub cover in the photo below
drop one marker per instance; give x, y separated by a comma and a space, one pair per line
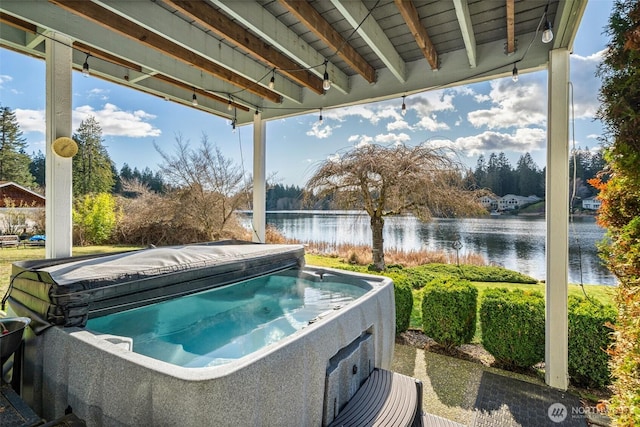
67, 291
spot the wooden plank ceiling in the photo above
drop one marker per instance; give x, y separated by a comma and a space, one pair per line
238, 57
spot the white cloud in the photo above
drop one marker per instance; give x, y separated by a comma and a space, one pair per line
31, 120
431, 123
522, 140
593, 136
319, 131
112, 120
116, 122
514, 105
4, 79
360, 140
439, 142
392, 138
101, 94
586, 85
429, 102
398, 125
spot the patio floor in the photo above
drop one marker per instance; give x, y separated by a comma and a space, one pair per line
477, 396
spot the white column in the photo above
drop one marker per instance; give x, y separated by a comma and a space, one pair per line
58, 124
259, 179
557, 211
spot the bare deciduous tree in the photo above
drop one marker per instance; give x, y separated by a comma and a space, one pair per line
387, 181
209, 186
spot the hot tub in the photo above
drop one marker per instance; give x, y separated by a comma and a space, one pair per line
131, 338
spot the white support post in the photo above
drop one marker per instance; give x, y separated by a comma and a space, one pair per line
58, 177
557, 211
259, 179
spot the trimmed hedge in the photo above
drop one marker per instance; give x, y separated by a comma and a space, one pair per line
423, 274
404, 305
589, 340
512, 325
449, 307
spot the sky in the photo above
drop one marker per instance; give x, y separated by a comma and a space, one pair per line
478, 119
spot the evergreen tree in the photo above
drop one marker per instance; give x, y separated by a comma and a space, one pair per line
37, 168
92, 166
14, 162
480, 173
530, 180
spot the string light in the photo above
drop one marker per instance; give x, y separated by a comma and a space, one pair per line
547, 34
320, 120
229, 104
404, 106
326, 83
194, 98
85, 66
514, 73
272, 82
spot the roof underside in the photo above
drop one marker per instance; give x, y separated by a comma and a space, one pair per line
226, 52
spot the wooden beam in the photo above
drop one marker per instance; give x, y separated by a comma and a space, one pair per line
121, 25
213, 20
199, 92
412, 19
25, 26
266, 26
106, 56
511, 32
321, 28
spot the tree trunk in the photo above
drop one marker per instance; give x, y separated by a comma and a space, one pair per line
377, 249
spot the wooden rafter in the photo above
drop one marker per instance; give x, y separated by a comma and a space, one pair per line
97, 53
321, 28
106, 56
412, 19
511, 32
17, 23
213, 20
121, 25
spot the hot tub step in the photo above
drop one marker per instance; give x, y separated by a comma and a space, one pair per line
385, 399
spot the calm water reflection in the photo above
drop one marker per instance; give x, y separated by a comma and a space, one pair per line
515, 242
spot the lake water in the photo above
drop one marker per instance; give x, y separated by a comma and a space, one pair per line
514, 242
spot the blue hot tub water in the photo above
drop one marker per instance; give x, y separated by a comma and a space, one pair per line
220, 325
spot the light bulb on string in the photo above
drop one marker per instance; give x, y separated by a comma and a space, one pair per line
326, 83
404, 106
547, 34
229, 105
194, 99
320, 120
85, 66
514, 73
272, 82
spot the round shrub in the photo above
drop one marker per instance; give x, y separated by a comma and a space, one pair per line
512, 325
449, 307
589, 339
404, 303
